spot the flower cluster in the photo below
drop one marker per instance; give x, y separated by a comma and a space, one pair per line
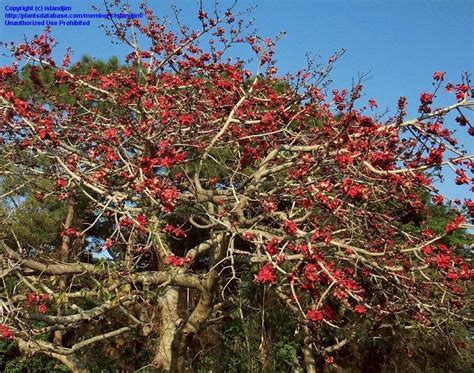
6, 333
176, 232
175, 261
39, 301
266, 275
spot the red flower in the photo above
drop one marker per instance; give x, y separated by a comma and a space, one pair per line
70, 232
461, 90
466, 273
452, 276
61, 183
436, 155
438, 200
360, 309
321, 236
449, 87
167, 197
438, 75
270, 206
461, 178
426, 98
354, 190
179, 232
175, 231
110, 133
141, 219
442, 261
470, 207
266, 275
62, 196
311, 272
5, 72
66, 60
272, 70
329, 360
427, 250
42, 308
176, 261
126, 222
108, 244
5, 332
32, 298
306, 203
147, 104
185, 119
271, 247
248, 236
212, 181
372, 103
343, 160
314, 315
455, 224
461, 120
290, 227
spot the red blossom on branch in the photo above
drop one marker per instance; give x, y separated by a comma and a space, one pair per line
438, 75
177, 261
290, 227
315, 315
266, 275
6, 333
70, 232
454, 224
177, 232
61, 183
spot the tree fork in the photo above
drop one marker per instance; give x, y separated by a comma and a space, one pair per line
204, 308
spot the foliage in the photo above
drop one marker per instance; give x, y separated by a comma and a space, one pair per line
11, 361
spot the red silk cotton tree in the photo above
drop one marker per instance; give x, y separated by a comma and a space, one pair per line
203, 170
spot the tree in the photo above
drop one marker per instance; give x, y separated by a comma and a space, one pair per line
187, 176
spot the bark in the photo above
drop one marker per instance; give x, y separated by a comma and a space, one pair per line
169, 325
175, 339
50, 269
192, 326
70, 361
64, 258
309, 361
129, 251
308, 353
203, 310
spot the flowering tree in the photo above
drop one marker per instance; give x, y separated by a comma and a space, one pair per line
186, 171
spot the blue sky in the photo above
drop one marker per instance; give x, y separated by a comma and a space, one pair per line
399, 43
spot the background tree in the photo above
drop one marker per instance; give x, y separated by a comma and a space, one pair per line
199, 177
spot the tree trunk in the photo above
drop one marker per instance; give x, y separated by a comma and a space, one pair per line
177, 334
192, 326
64, 258
308, 353
204, 308
169, 326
